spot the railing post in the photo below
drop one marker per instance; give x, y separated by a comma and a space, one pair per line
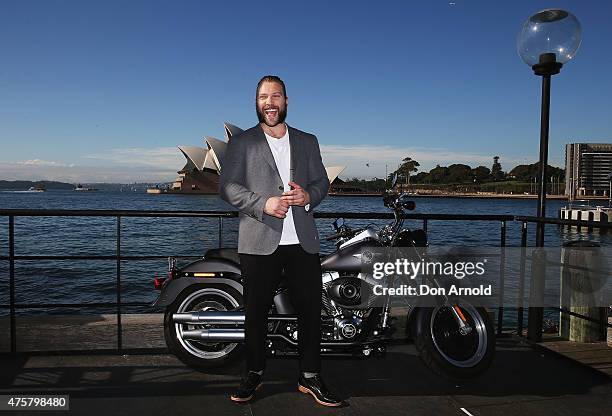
521, 288
220, 231
118, 256
537, 288
502, 270
12, 283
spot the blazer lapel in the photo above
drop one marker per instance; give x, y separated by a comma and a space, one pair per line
264, 150
294, 143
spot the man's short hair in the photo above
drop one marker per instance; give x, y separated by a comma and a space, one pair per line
270, 78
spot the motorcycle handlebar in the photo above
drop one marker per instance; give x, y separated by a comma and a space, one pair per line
398, 202
343, 234
339, 235
391, 200
333, 236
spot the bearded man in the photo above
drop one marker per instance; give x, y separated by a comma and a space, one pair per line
274, 176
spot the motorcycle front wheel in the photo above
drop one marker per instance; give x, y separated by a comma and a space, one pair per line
200, 354
447, 351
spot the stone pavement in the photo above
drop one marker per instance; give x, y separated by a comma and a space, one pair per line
522, 381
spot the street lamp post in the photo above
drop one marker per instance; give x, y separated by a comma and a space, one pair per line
547, 40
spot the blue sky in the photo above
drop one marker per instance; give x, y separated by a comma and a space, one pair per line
106, 90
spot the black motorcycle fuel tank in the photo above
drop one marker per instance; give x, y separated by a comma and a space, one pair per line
348, 259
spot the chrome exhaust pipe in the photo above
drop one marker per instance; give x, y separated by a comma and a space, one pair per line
209, 317
214, 335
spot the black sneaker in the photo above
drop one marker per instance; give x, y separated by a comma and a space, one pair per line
315, 387
248, 385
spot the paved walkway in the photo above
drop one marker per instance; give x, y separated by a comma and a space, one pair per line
522, 381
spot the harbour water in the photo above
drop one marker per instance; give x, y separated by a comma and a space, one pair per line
68, 281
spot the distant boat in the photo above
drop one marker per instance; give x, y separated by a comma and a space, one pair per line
156, 191
80, 187
30, 190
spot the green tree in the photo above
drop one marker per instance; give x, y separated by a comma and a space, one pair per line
459, 173
407, 167
438, 174
420, 177
496, 170
525, 173
481, 173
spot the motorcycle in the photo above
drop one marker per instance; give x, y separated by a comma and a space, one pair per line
204, 314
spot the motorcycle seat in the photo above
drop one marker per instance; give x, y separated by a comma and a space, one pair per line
230, 254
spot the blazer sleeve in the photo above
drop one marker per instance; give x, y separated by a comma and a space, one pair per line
319, 183
232, 187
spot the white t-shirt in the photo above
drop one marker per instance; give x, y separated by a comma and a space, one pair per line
281, 151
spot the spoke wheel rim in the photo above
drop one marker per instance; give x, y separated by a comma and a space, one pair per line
459, 350
216, 300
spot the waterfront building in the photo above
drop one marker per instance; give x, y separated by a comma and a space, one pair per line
587, 169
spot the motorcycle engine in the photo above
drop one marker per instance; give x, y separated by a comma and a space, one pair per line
340, 293
347, 328
341, 328
345, 291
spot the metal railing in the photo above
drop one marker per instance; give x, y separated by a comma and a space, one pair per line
118, 258
220, 215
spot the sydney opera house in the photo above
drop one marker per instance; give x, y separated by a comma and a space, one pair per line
200, 175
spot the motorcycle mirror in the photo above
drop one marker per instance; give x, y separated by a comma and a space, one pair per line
339, 222
409, 205
406, 203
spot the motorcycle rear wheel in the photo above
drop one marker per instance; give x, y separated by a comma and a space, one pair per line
445, 350
199, 354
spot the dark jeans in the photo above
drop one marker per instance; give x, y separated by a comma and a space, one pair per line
262, 276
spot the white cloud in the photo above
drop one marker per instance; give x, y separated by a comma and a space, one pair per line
159, 164
128, 165
39, 162
84, 174
159, 157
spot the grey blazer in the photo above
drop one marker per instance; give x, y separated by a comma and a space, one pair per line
249, 177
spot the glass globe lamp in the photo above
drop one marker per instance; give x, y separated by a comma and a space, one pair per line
548, 39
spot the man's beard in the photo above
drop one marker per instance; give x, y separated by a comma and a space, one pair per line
282, 115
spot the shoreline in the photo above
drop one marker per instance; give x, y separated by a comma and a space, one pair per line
473, 196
